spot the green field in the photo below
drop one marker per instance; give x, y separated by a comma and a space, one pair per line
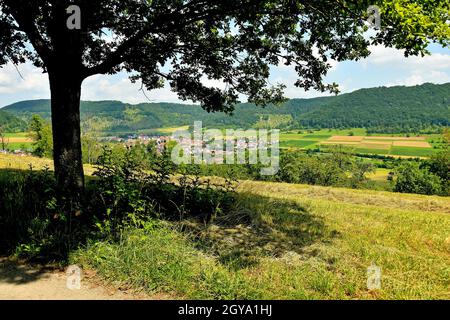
317, 136
20, 146
414, 152
12, 145
372, 151
16, 135
297, 143
307, 140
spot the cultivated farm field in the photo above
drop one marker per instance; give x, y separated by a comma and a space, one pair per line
359, 142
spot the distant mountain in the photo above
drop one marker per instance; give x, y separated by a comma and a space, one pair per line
393, 109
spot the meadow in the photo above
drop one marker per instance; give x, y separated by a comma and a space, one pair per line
18, 141
286, 241
283, 241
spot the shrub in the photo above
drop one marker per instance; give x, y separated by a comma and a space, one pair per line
125, 193
31, 221
410, 178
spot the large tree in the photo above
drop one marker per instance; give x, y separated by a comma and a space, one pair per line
185, 41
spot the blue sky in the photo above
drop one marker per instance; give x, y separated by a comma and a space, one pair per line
385, 67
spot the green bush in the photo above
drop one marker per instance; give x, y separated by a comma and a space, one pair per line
325, 170
31, 221
125, 192
410, 178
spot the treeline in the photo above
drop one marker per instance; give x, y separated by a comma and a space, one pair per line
10, 123
385, 110
379, 110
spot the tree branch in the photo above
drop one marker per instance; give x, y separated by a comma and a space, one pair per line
164, 23
25, 20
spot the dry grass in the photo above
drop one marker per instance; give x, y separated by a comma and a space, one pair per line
396, 138
346, 138
10, 161
374, 142
19, 140
416, 144
378, 199
368, 145
15, 162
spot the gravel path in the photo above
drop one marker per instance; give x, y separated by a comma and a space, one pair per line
25, 282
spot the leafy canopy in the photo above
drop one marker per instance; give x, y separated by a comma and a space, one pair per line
185, 41
41, 134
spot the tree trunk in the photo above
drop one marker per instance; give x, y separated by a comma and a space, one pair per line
65, 104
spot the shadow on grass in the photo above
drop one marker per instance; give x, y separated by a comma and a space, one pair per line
240, 234
260, 227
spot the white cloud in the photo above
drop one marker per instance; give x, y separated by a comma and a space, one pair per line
412, 70
420, 78
394, 57
119, 87
385, 66
34, 81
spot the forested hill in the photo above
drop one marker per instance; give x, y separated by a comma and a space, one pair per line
393, 109
10, 123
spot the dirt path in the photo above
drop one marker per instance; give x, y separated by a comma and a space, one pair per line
25, 282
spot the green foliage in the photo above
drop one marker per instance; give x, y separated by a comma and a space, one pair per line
32, 224
129, 188
90, 147
359, 170
214, 36
159, 259
410, 178
41, 133
338, 168
119, 193
10, 123
380, 110
383, 110
439, 164
310, 169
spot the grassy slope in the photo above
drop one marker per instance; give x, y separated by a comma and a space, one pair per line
9, 161
302, 242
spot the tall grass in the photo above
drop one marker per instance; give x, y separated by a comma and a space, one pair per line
281, 245
159, 259
270, 241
